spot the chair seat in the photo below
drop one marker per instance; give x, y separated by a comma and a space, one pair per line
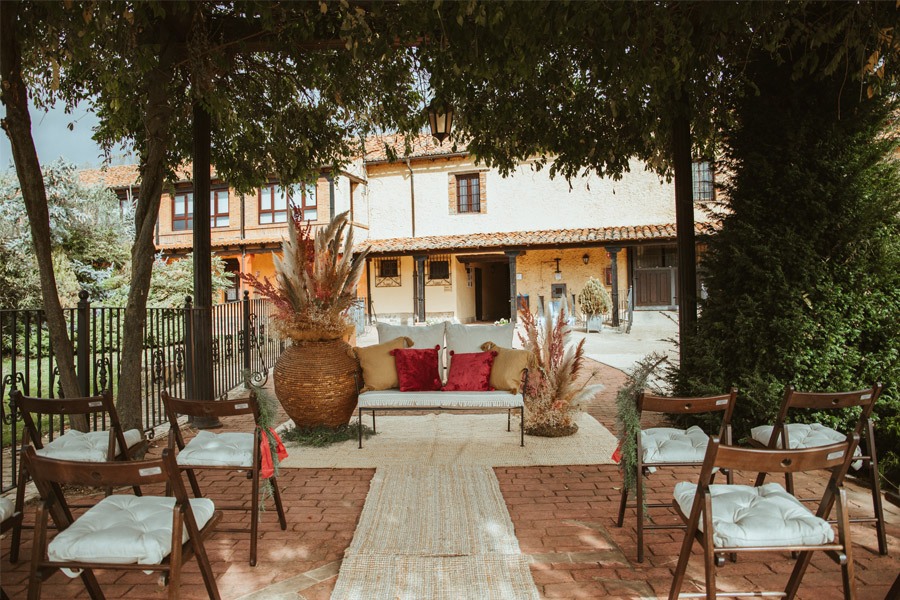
670, 445
229, 449
7, 508
747, 516
124, 530
804, 435
85, 447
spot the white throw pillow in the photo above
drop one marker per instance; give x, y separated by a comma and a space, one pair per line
423, 336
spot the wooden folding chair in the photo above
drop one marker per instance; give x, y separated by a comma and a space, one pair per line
121, 532
9, 518
803, 435
93, 446
672, 447
728, 519
228, 450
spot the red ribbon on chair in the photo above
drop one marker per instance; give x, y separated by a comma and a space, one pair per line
267, 468
617, 455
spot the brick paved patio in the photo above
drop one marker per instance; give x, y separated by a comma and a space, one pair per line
564, 519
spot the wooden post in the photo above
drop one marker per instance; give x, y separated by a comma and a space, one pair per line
513, 295
202, 333
614, 273
420, 287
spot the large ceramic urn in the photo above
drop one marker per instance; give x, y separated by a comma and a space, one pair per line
316, 383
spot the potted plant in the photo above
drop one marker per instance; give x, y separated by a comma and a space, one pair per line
594, 301
554, 395
315, 286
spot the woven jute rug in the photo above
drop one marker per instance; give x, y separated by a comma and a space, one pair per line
454, 439
437, 532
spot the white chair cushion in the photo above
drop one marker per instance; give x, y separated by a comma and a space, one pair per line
7, 508
85, 447
743, 516
804, 435
464, 339
670, 445
398, 399
124, 530
229, 449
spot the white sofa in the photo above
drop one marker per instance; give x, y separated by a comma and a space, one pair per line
460, 339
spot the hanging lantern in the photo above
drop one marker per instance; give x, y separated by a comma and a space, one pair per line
440, 119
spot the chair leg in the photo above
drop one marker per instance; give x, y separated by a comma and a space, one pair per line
639, 512
35, 580
683, 558
847, 568
254, 516
876, 489
195, 487
16, 539
276, 496
797, 574
789, 483
709, 566
623, 502
176, 556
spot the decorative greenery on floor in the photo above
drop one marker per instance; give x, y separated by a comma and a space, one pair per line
320, 437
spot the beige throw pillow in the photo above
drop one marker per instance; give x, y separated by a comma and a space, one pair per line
506, 372
379, 368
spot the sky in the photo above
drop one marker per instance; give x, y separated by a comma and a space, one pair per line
53, 139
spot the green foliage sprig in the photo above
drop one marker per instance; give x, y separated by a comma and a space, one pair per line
628, 420
321, 437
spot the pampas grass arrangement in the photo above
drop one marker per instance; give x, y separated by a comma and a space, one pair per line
554, 397
315, 280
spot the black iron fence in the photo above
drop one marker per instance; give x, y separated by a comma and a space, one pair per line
242, 339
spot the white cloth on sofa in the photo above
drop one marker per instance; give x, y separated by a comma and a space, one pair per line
124, 530
746, 516
398, 399
85, 447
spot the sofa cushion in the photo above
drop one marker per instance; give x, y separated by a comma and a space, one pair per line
417, 369
670, 445
745, 516
397, 399
422, 336
124, 530
470, 338
506, 372
470, 372
379, 367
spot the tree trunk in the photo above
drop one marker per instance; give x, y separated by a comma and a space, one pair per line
28, 169
684, 225
157, 125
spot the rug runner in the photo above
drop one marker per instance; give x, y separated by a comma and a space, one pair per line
439, 532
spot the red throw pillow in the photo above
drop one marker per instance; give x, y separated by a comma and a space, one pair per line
470, 372
417, 369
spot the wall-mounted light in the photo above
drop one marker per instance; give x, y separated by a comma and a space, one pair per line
586, 258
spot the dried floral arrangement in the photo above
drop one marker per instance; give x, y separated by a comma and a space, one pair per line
315, 280
554, 397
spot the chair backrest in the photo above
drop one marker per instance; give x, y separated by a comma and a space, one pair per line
836, 457
50, 474
103, 404
831, 401
705, 404
208, 408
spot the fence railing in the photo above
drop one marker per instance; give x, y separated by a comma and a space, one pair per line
241, 340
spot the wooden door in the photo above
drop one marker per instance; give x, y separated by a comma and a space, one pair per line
654, 287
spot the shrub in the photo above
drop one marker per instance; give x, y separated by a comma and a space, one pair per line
594, 299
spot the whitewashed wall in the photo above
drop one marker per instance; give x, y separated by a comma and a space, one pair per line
526, 200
